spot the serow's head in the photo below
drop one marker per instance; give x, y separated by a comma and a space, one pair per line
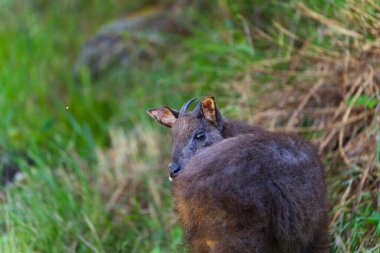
192, 131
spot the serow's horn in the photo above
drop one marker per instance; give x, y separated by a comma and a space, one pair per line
184, 107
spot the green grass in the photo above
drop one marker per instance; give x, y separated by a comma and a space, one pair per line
72, 131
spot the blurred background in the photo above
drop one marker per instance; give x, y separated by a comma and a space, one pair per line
84, 169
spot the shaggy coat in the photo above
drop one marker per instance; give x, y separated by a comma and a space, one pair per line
243, 189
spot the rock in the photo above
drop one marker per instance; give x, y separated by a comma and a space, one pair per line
138, 35
9, 169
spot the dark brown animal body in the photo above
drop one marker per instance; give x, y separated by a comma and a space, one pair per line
246, 189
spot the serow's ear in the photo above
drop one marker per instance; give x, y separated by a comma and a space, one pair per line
211, 112
164, 115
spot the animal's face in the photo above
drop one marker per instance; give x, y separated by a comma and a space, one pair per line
190, 135
192, 132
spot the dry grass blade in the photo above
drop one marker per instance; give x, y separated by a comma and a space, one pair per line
335, 126
364, 177
285, 31
341, 203
305, 99
328, 22
116, 195
374, 5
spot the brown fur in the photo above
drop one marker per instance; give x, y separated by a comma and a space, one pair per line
246, 198
244, 189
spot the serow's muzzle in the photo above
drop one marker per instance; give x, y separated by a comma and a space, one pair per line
174, 170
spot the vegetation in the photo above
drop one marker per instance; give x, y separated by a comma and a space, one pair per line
99, 179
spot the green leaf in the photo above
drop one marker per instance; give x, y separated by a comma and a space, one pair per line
362, 100
374, 219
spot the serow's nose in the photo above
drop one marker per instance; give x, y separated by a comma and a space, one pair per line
174, 169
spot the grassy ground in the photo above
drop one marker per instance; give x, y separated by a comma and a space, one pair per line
99, 179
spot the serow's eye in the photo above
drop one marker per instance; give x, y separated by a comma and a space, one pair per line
200, 136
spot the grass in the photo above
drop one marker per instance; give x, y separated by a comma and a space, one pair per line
97, 188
